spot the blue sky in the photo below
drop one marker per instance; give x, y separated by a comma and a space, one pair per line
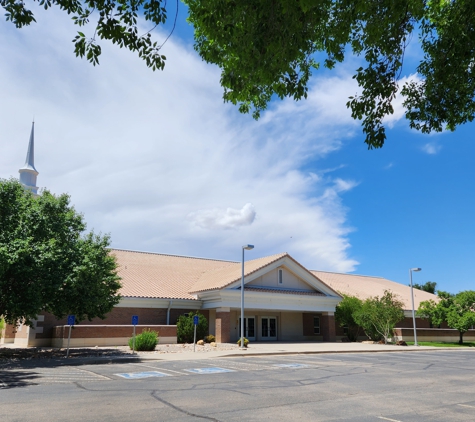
159, 162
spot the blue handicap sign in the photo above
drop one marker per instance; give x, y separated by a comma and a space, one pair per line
140, 375
135, 319
196, 319
209, 370
71, 319
291, 365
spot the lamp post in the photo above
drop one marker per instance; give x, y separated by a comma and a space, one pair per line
247, 247
412, 299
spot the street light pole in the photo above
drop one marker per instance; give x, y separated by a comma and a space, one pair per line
247, 247
412, 299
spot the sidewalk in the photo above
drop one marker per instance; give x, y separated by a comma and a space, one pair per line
255, 349
278, 348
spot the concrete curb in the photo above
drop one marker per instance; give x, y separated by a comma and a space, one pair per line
96, 360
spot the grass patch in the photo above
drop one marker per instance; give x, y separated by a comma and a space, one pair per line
442, 344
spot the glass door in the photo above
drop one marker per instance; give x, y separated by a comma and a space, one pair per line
249, 328
269, 328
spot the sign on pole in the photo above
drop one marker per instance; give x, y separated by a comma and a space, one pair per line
135, 321
196, 318
71, 322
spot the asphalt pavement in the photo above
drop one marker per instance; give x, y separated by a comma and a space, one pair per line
423, 386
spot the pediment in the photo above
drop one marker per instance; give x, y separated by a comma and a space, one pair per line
286, 276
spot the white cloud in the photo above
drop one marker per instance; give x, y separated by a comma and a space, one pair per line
229, 218
431, 148
159, 161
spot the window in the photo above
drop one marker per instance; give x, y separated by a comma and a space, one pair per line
280, 276
316, 325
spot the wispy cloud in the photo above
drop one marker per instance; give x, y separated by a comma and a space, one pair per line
159, 161
431, 148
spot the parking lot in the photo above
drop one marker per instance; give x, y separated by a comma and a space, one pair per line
405, 387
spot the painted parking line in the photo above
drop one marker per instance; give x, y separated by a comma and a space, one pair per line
290, 365
141, 375
388, 419
466, 405
209, 370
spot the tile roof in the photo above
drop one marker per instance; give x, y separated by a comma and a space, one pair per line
223, 276
367, 286
151, 275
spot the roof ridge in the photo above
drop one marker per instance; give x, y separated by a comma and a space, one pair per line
174, 255
359, 275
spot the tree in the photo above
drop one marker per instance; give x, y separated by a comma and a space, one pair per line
428, 286
457, 310
379, 315
185, 327
47, 263
430, 310
268, 48
461, 312
344, 315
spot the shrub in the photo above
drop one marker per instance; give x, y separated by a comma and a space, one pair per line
2, 326
246, 342
185, 327
146, 341
210, 339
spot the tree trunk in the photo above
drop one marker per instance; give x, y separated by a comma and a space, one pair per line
461, 337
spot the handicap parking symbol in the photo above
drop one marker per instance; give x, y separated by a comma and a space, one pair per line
209, 370
291, 365
140, 375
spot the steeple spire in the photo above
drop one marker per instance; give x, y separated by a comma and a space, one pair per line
28, 172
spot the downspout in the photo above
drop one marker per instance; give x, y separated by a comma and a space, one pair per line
168, 312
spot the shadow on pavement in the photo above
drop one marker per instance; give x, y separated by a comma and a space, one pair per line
13, 379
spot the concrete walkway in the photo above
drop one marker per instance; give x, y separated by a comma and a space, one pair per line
278, 348
256, 349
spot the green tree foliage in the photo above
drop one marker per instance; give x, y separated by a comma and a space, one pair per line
185, 327
379, 315
47, 263
345, 315
113, 20
428, 286
269, 48
430, 310
457, 310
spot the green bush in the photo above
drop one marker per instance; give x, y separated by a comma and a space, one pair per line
210, 339
2, 326
185, 327
146, 341
246, 341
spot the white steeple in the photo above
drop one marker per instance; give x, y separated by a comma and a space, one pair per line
28, 172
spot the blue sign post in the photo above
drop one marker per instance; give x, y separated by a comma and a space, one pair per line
196, 318
135, 321
71, 322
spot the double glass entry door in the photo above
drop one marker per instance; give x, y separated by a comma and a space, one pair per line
249, 328
269, 328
